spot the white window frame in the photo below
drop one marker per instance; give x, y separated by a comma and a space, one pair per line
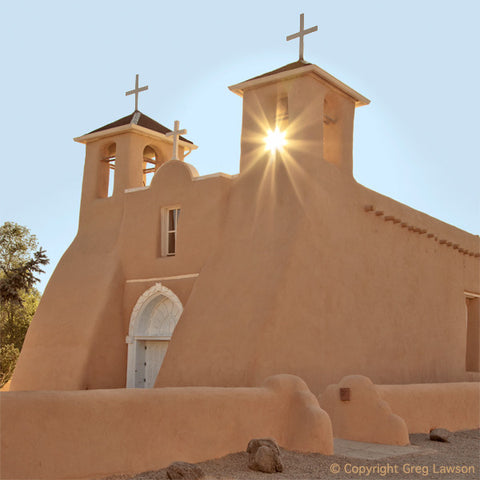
166, 231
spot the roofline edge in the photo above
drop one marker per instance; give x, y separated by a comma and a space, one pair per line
360, 100
90, 137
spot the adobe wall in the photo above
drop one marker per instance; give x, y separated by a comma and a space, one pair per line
203, 202
454, 406
358, 412
362, 411
81, 296
77, 337
60, 435
321, 288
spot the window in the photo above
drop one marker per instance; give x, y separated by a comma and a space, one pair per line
170, 216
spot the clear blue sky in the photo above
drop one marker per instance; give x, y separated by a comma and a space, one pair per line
66, 67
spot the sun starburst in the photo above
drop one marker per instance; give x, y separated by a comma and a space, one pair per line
275, 140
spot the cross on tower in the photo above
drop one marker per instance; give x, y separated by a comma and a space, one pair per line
176, 134
136, 91
301, 34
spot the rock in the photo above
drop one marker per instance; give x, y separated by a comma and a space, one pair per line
439, 435
256, 443
264, 455
185, 471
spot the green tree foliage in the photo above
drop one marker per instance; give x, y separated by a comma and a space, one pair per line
8, 359
20, 260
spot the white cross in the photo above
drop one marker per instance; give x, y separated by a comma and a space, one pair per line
301, 34
176, 134
136, 91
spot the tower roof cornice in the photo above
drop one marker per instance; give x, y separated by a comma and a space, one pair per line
295, 69
136, 121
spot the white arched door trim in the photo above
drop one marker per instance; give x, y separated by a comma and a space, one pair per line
144, 329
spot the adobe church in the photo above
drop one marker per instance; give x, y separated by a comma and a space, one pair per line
290, 266
287, 301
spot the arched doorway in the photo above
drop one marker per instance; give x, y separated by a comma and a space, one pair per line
152, 323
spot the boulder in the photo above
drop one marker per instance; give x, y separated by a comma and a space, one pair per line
185, 471
256, 443
439, 435
264, 455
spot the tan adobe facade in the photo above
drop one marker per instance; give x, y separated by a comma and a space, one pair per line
289, 267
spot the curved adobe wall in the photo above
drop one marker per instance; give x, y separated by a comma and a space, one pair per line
65, 347
59, 435
365, 412
364, 416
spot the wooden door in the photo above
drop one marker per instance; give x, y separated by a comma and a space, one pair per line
155, 351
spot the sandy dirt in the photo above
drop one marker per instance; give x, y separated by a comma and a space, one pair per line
432, 461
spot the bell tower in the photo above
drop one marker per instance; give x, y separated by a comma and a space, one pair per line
306, 106
121, 156
124, 154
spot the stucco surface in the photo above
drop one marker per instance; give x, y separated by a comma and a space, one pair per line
365, 417
77, 337
318, 287
454, 406
388, 413
61, 349
54, 435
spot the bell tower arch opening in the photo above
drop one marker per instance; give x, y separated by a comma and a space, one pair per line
152, 161
107, 177
152, 323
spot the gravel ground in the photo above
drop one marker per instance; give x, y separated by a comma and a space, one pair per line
463, 450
